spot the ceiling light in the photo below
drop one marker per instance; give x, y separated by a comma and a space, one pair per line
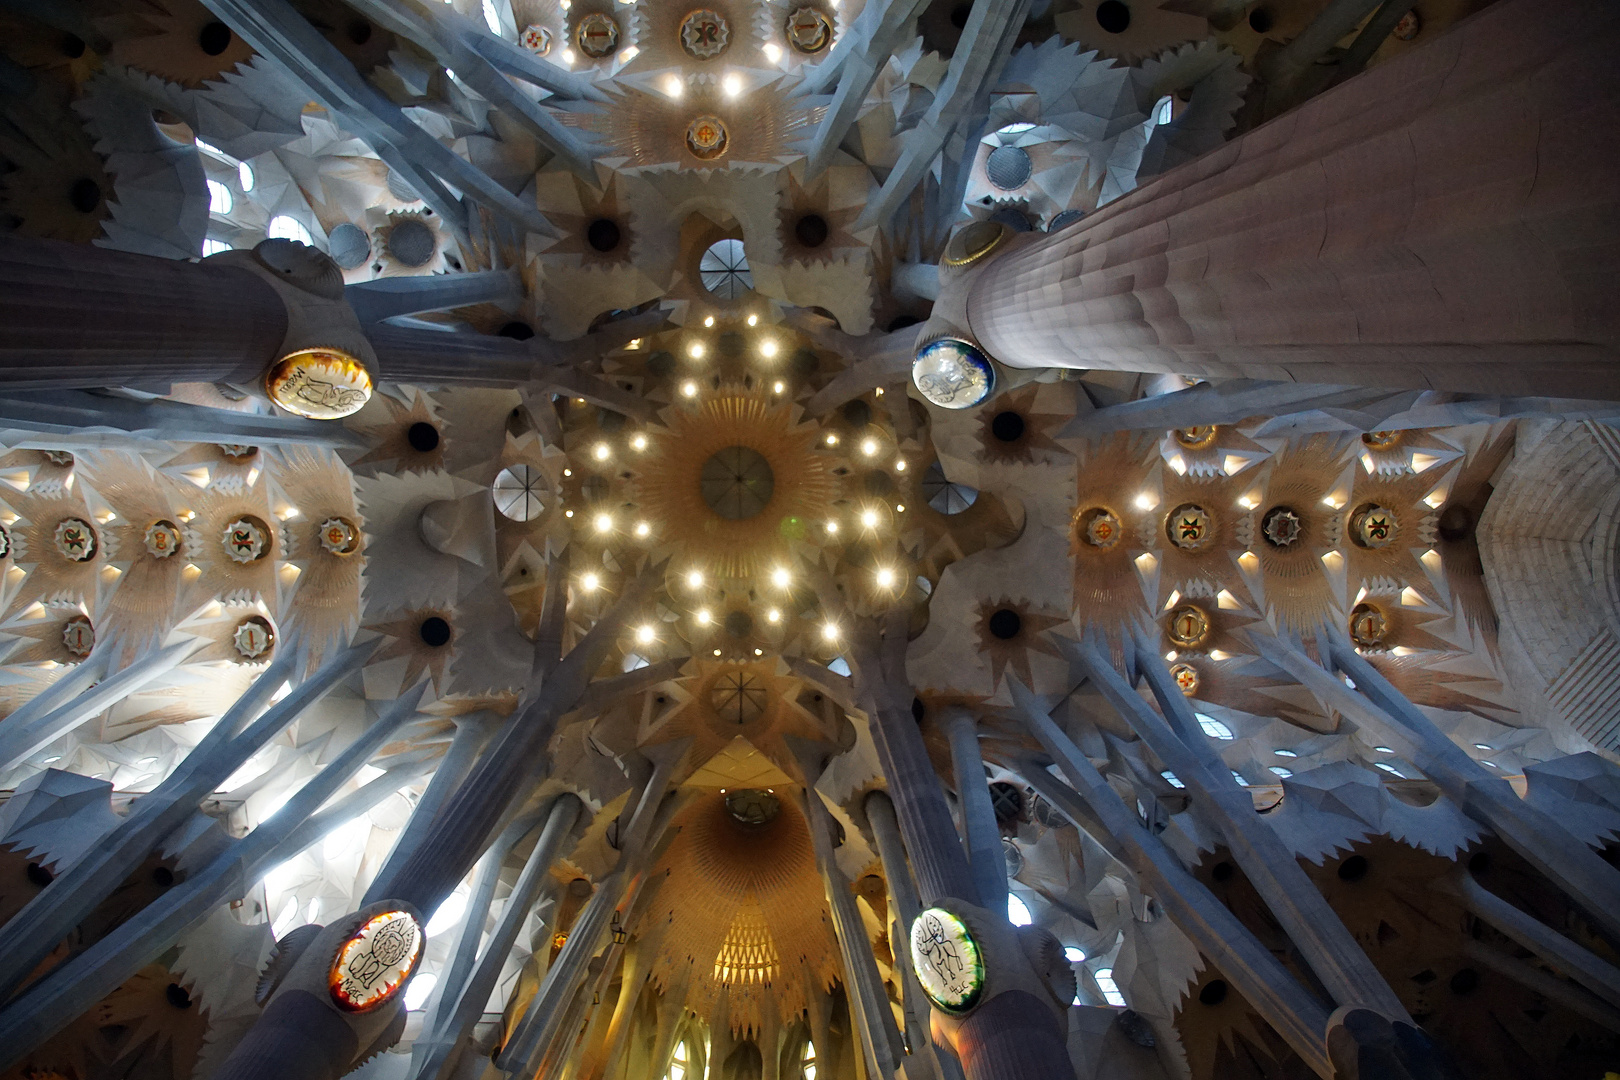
695, 579
759, 652
869, 447
717, 652
1146, 501
639, 442
568, 472
604, 523
695, 350
703, 616
869, 518
830, 631
832, 439
689, 388
900, 466
773, 52
780, 577
885, 577
645, 633
900, 508
568, 54
773, 616
601, 452
732, 85
878, 392
753, 320
568, 513
673, 86
590, 582
708, 320
778, 386
832, 527
767, 348
642, 528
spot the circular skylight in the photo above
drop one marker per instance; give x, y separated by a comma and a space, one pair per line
724, 269
518, 492
737, 483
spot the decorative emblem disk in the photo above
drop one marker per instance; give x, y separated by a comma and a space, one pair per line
75, 539
1373, 526
707, 137
79, 636
1281, 526
947, 960
254, 637
808, 30
1197, 438
1186, 677
1381, 440
1369, 626
340, 536
372, 965
704, 34
162, 538
1189, 527
320, 384
1100, 527
246, 540
1188, 626
537, 39
597, 35
953, 374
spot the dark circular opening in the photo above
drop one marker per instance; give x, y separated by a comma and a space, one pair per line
1261, 20
178, 996
1479, 862
1113, 16
214, 38
1007, 426
918, 709
1221, 871
360, 31
1005, 623
1455, 523
162, 875
811, 230
1465, 982
40, 875
959, 15
857, 413
517, 331
603, 234
730, 344
878, 482
85, 195
737, 483
739, 624
1213, 993
434, 632
422, 436
1353, 869
1007, 801
901, 322
72, 46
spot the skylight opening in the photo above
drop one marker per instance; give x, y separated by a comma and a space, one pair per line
1017, 911
283, 227
1213, 727
1109, 988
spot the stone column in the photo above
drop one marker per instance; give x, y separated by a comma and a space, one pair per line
1437, 222
986, 857
76, 315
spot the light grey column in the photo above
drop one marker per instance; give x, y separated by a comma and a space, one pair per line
868, 1002
386, 298
68, 990
19, 743
87, 418
460, 1006
67, 687
1548, 986
29, 936
1246, 963
986, 858
1299, 907
74, 315
903, 898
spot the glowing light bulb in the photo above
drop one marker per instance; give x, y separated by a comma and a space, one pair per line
830, 631
645, 633
900, 466
869, 447
767, 348
778, 386
773, 616
885, 577
695, 350
869, 518
568, 472
832, 527
753, 320
590, 582
832, 439
695, 579
604, 523
708, 320
674, 87
703, 616
639, 442
689, 388
568, 513
732, 85
900, 508
781, 578
643, 529
773, 52
601, 452
1146, 501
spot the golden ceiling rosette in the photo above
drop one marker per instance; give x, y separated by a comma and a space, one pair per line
669, 479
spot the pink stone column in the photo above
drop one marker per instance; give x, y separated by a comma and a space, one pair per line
1447, 220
